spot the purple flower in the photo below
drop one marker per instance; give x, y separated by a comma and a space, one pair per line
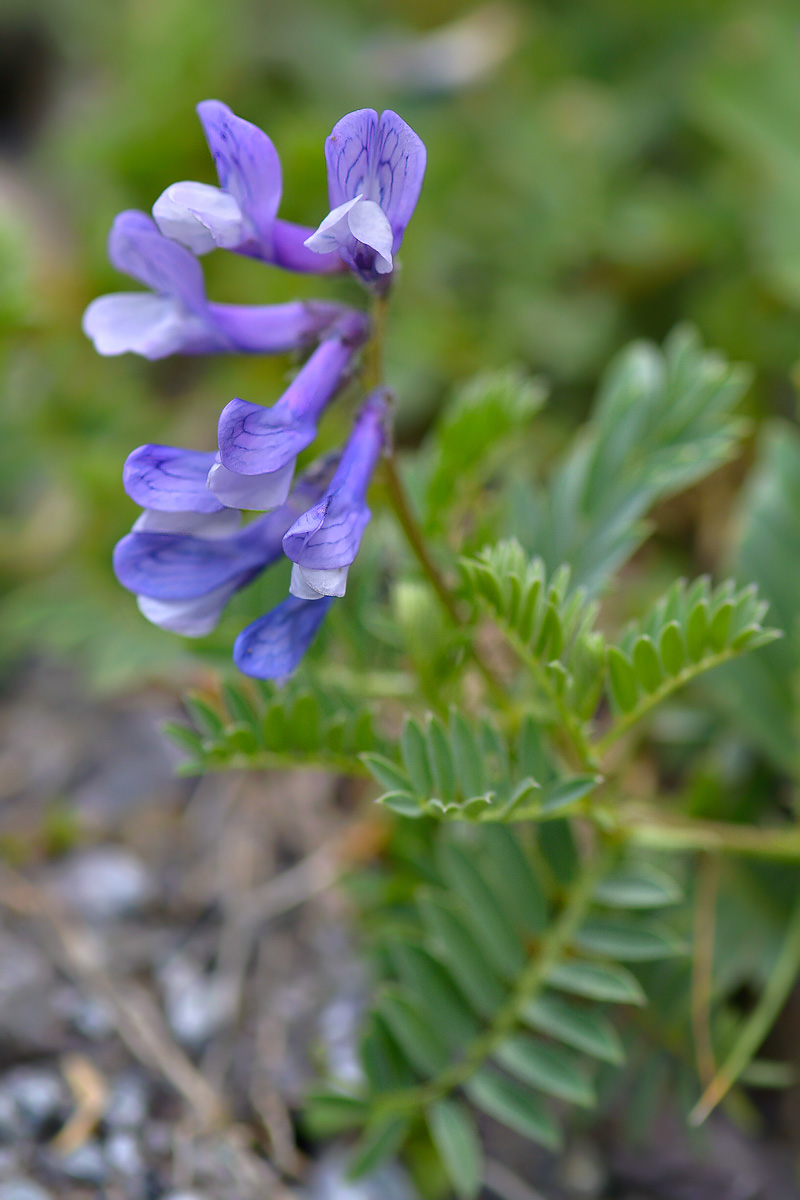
175, 317
272, 647
324, 541
184, 570
242, 213
258, 446
375, 170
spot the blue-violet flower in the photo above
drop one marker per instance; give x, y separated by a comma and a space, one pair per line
242, 213
175, 317
324, 541
375, 170
258, 446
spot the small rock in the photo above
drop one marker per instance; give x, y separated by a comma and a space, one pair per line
122, 1153
329, 1182
88, 1015
104, 883
38, 1094
127, 1105
196, 1004
22, 1189
9, 1118
87, 1163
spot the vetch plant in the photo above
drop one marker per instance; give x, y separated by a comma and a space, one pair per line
546, 869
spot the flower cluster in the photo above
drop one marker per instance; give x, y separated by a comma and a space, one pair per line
189, 550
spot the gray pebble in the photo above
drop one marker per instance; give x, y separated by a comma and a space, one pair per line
104, 883
122, 1153
38, 1094
22, 1189
127, 1106
329, 1182
87, 1163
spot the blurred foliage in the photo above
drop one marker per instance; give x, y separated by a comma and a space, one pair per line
597, 171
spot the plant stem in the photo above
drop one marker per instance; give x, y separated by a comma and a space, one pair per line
758, 1024
645, 827
373, 377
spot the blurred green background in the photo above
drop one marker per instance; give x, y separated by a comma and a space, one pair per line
598, 170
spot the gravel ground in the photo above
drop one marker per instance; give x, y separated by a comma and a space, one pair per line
175, 955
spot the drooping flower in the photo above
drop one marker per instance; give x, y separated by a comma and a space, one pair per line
273, 646
324, 541
242, 213
184, 570
175, 317
375, 170
258, 446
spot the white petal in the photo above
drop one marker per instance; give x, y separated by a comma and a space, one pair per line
139, 321
257, 492
370, 225
313, 585
334, 230
200, 216
192, 618
203, 525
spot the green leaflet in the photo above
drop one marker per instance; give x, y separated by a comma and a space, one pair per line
514, 1105
549, 1068
456, 1138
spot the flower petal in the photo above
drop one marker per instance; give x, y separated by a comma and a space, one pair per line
191, 618
170, 479
142, 323
254, 440
247, 164
272, 647
272, 328
329, 534
289, 250
349, 154
370, 225
398, 171
308, 584
255, 492
200, 217
136, 248
334, 230
213, 525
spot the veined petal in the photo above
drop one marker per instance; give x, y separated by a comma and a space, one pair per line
200, 217
329, 533
191, 618
247, 164
349, 155
136, 248
308, 584
334, 230
170, 479
272, 647
370, 225
147, 324
398, 170
254, 492
210, 525
254, 440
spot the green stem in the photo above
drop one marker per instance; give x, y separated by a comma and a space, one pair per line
758, 1024
583, 751
528, 986
644, 827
